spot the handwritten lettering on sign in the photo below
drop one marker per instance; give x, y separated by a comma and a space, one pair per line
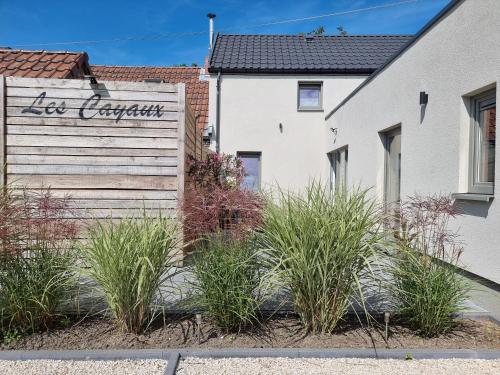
91, 107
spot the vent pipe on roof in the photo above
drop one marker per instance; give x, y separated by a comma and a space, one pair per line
211, 17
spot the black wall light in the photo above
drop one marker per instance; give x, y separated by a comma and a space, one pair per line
424, 98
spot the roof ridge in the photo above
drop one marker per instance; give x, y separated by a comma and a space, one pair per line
146, 66
7, 49
323, 35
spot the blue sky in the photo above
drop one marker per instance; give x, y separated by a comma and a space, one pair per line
30, 23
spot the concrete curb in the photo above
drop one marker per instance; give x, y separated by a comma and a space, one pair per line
82, 355
173, 356
167, 354
343, 353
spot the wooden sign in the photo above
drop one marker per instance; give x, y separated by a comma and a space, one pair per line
115, 147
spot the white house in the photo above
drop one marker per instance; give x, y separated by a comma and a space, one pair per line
268, 94
426, 123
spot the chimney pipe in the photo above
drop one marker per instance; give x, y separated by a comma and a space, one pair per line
211, 17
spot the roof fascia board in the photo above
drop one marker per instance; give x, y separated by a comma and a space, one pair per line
364, 72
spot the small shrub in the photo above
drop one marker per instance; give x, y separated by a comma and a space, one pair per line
227, 280
11, 336
214, 202
36, 259
129, 260
425, 284
319, 246
208, 211
217, 169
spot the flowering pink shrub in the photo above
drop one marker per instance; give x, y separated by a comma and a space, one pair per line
424, 226
33, 218
217, 170
214, 201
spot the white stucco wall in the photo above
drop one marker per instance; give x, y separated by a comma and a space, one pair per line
458, 57
253, 106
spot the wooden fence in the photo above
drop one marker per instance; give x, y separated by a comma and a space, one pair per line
113, 147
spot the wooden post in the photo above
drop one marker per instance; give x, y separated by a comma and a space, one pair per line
181, 156
3, 99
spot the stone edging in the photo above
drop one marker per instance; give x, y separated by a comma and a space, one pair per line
172, 356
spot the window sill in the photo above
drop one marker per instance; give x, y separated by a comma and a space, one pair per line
310, 110
473, 197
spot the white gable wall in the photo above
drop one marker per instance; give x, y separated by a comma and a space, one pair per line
457, 57
253, 106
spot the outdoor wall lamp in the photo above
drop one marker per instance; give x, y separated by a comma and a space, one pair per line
281, 127
91, 78
334, 131
424, 98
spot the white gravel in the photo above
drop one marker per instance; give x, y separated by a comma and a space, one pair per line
350, 366
50, 367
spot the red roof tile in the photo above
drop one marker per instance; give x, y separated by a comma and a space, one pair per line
53, 64
196, 89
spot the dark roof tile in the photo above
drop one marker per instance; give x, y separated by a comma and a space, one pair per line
295, 54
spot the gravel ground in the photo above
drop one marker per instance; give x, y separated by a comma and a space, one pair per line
350, 366
49, 367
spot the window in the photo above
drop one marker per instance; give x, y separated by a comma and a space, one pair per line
338, 168
251, 165
483, 139
392, 190
310, 96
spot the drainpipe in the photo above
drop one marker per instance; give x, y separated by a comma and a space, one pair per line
217, 114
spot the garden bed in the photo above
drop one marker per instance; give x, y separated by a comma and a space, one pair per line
99, 333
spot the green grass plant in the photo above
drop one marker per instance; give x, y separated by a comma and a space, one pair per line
227, 282
319, 246
129, 259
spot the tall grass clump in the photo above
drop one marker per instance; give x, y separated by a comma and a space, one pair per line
130, 259
36, 258
320, 245
227, 282
426, 287
34, 285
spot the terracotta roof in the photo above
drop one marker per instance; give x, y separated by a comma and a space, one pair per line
44, 64
196, 89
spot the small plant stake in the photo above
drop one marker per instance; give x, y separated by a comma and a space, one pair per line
198, 327
387, 316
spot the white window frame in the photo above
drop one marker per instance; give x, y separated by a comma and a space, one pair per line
476, 104
316, 84
339, 161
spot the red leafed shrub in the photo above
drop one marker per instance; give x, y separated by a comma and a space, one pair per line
33, 218
214, 201
424, 225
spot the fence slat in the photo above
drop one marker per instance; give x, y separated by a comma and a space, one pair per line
2, 132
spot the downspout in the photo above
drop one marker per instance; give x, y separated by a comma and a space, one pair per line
217, 114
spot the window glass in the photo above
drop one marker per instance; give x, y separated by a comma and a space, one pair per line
393, 167
483, 141
487, 137
309, 95
338, 163
251, 166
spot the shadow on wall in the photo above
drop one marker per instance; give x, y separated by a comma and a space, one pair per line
473, 208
